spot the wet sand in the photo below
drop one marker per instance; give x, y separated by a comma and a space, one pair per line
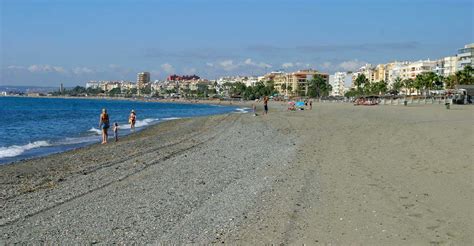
337, 174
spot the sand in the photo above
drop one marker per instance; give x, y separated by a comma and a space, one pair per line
338, 174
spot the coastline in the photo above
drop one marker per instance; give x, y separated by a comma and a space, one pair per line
332, 175
44, 147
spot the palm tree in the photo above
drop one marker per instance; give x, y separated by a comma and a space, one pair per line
408, 84
397, 84
465, 76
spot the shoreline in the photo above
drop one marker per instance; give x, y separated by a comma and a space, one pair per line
39, 147
336, 174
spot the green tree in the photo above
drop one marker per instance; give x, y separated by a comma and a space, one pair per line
465, 76
396, 86
360, 82
408, 84
318, 87
114, 92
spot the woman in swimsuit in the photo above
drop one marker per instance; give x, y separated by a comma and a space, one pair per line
104, 125
132, 119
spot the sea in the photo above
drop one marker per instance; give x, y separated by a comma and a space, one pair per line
31, 127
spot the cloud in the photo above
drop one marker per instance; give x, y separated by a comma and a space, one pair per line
82, 70
351, 65
167, 68
46, 68
228, 65
249, 62
287, 65
209, 64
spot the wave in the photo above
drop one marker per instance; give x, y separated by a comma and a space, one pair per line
16, 150
95, 130
242, 110
139, 123
171, 118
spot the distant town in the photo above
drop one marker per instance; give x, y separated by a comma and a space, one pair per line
398, 77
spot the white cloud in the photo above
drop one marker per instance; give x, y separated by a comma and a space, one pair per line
249, 62
46, 68
351, 65
287, 65
228, 65
209, 64
167, 68
82, 70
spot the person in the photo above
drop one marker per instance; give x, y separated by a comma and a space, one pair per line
254, 107
116, 131
104, 125
310, 104
265, 104
132, 119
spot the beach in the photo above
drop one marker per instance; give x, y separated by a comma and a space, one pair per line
338, 174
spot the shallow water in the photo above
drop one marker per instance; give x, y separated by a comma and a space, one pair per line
39, 126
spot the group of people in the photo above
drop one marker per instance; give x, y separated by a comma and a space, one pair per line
265, 106
104, 124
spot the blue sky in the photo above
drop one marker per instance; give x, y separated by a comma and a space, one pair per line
47, 42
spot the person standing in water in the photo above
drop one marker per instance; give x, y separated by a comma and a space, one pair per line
104, 125
265, 105
132, 119
116, 131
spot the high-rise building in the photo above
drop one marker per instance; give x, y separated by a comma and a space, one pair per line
61, 88
465, 56
143, 79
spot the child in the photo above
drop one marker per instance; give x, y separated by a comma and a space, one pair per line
116, 131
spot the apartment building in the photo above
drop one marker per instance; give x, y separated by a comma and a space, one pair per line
340, 82
296, 83
465, 56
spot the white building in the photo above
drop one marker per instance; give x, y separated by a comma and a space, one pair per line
465, 56
92, 85
340, 82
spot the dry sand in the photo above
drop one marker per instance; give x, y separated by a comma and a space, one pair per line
339, 174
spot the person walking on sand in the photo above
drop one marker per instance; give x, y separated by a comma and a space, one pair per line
116, 131
104, 125
254, 107
265, 105
310, 104
132, 119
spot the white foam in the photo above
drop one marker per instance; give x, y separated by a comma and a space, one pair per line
16, 150
139, 123
95, 130
171, 118
242, 110
79, 140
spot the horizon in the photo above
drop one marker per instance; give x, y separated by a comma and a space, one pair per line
72, 42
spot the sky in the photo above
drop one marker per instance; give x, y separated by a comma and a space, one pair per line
48, 42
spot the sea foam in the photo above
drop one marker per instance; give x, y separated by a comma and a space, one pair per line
16, 150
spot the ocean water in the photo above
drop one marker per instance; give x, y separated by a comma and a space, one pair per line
32, 127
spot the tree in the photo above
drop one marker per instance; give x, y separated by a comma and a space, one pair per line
114, 92
396, 86
408, 84
318, 87
465, 76
361, 80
